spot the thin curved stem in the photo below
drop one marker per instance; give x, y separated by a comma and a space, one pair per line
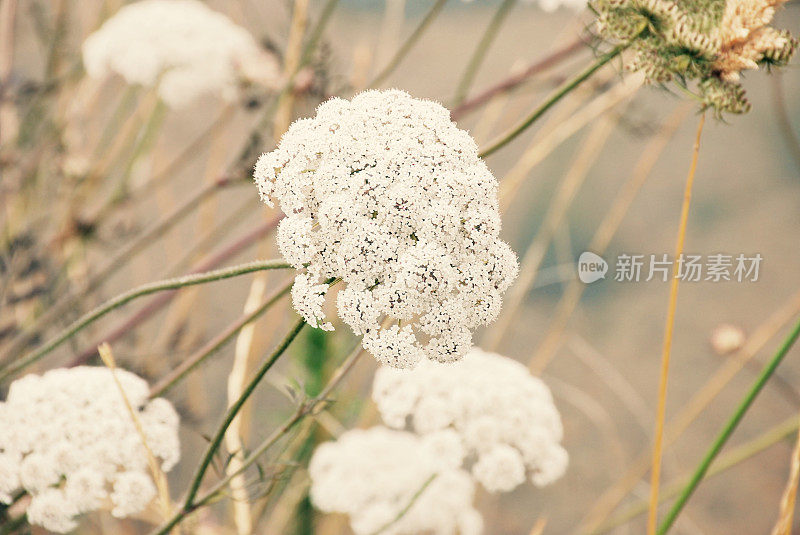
210, 262
783, 525
12, 525
610, 498
304, 409
729, 428
725, 462
118, 260
234, 409
481, 50
538, 66
158, 230
408, 506
130, 295
658, 440
215, 343
316, 32
170, 170
552, 100
144, 142
406, 47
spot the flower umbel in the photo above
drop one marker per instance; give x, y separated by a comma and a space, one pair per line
747, 40
182, 47
373, 475
68, 440
710, 41
387, 194
503, 416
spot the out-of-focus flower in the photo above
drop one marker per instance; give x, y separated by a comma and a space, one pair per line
69, 441
373, 475
746, 39
182, 47
504, 417
387, 194
710, 41
727, 338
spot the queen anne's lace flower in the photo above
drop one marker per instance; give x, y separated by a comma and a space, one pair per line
504, 416
69, 441
387, 194
747, 40
710, 41
181, 46
373, 475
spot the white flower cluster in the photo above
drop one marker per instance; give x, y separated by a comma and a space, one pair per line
181, 46
504, 417
69, 441
373, 475
387, 194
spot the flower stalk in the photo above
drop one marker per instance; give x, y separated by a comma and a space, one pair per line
658, 441
234, 410
564, 90
729, 428
482, 49
124, 298
406, 47
304, 409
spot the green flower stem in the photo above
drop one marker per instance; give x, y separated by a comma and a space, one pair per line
316, 33
516, 79
213, 345
123, 109
13, 525
407, 507
305, 409
142, 143
169, 172
481, 50
406, 47
119, 259
313, 358
8, 524
728, 430
234, 409
130, 295
230, 250
553, 99
724, 462
159, 229
243, 163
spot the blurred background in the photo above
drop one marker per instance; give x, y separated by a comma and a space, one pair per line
83, 179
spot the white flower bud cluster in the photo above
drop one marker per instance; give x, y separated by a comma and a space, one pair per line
69, 441
373, 475
504, 417
387, 194
182, 47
